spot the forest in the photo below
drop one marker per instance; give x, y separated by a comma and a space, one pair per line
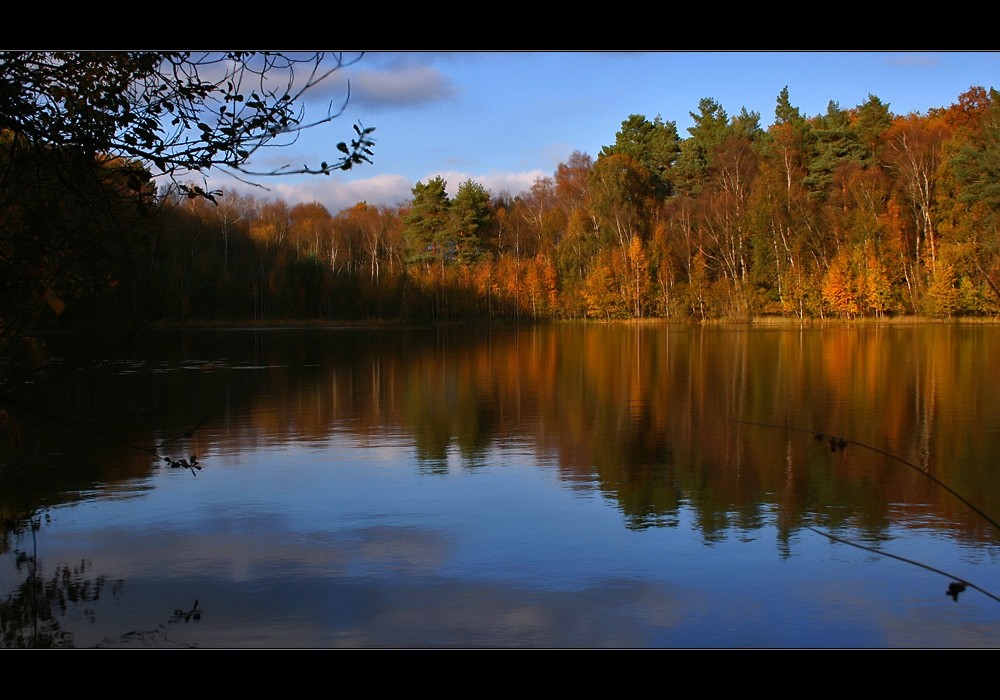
855, 213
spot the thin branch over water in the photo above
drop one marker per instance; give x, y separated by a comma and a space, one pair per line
837, 444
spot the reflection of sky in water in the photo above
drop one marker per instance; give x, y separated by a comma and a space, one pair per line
560, 522
339, 545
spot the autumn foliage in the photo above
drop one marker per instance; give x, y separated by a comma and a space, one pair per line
854, 213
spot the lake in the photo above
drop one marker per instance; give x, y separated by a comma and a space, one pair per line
546, 486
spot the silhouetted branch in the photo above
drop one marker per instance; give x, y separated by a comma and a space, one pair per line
839, 443
187, 463
954, 588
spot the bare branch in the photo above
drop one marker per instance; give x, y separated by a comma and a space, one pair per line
176, 113
957, 586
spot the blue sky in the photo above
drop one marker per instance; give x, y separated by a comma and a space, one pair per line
504, 119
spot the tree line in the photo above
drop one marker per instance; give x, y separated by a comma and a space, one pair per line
854, 213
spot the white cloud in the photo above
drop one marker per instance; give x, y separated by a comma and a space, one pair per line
381, 190
337, 195
400, 86
495, 182
914, 60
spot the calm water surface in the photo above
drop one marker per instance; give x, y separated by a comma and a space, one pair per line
549, 486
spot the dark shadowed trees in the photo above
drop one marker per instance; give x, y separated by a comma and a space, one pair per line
84, 139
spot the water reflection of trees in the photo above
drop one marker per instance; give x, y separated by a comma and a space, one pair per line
32, 612
41, 607
659, 418
652, 415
